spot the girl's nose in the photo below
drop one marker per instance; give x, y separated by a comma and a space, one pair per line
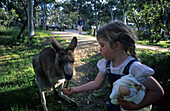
100, 49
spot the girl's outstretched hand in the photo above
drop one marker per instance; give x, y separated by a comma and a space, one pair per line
68, 93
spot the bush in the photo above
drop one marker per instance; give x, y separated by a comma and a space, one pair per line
159, 62
8, 35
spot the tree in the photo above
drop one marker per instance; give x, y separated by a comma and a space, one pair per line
111, 7
25, 22
30, 19
150, 15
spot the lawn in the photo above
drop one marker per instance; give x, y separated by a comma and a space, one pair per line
165, 44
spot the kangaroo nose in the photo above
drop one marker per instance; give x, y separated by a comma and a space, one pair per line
68, 69
68, 76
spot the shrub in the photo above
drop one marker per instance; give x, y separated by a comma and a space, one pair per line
159, 62
8, 35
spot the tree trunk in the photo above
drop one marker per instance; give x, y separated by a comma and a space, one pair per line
30, 19
96, 17
46, 16
111, 12
25, 24
124, 18
42, 13
22, 30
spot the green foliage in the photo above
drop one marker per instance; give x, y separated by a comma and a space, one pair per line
8, 35
150, 17
8, 17
159, 62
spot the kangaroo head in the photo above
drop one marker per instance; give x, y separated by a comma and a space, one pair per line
64, 60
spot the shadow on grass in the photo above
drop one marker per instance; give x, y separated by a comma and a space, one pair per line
28, 96
5, 40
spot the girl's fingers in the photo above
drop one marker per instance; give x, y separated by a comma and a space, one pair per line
68, 93
120, 99
65, 91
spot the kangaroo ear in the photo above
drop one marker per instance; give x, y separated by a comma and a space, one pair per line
73, 44
55, 44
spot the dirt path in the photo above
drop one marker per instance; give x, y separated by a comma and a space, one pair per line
86, 45
68, 34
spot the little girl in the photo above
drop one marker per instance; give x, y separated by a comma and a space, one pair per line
117, 45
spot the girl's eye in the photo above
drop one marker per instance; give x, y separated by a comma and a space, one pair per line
102, 45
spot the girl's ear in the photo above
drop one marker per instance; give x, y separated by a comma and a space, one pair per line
117, 45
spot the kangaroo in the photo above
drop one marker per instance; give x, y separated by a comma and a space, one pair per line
53, 66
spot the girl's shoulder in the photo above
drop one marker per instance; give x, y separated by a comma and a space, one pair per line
102, 65
141, 71
138, 66
102, 62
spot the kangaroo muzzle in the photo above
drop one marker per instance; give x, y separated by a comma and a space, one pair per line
68, 71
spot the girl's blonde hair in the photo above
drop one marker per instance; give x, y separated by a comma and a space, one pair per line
118, 31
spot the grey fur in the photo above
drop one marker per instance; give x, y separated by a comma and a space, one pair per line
52, 66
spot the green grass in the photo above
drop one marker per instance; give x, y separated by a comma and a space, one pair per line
165, 44
90, 58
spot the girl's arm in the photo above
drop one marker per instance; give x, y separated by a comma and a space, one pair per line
92, 85
153, 94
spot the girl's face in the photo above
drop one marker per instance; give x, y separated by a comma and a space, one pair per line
105, 49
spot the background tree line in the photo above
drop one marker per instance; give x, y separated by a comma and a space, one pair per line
150, 18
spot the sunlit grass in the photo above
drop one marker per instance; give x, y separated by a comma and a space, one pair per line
160, 43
